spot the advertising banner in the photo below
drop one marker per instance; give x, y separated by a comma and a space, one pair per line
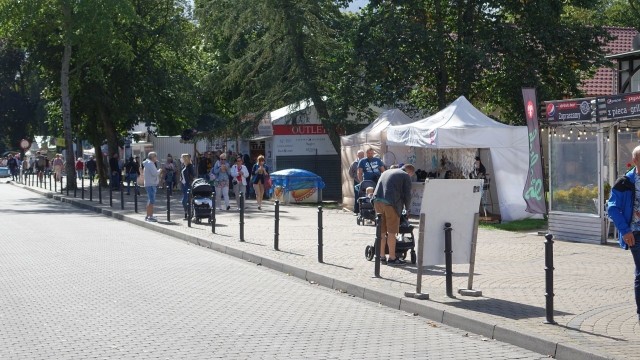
533, 192
623, 106
569, 110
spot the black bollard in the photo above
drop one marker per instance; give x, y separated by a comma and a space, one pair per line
213, 212
135, 198
241, 201
91, 189
548, 268
276, 230
320, 234
99, 192
447, 259
122, 196
75, 189
82, 182
189, 208
55, 186
376, 245
110, 194
168, 204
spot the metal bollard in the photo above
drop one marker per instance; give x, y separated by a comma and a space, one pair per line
447, 259
548, 268
82, 182
75, 189
241, 201
122, 196
213, 212
55, 186
320, 234
276, 230
135, 198
168, 204
99, 192
110, 195
91, 189
189, 207
376, 250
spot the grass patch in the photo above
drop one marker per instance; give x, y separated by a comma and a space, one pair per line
519, 225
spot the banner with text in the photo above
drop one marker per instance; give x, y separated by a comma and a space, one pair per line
533, 192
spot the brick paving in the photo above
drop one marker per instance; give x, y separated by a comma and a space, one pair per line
594, 305
79, 292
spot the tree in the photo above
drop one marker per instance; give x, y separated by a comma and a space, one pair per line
432, 51
272, 53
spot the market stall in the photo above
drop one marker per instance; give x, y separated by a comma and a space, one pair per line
373, 136
448, 141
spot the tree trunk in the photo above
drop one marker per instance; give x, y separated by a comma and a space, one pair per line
66, 99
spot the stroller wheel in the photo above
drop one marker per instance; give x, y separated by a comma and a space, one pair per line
401, 255
413, 257
358, 220
368, 252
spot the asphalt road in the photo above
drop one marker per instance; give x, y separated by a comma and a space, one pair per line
77, 285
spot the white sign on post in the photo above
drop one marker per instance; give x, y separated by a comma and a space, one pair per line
454, 201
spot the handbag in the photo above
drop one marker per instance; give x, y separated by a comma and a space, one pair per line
267, 182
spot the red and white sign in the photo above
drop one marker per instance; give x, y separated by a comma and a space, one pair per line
306, 139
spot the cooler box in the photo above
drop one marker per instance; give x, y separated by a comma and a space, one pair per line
297, 186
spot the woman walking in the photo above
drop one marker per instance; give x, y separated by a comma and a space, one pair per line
188, 173
169, 174
239, 174
58, 165
260, 171
221, 174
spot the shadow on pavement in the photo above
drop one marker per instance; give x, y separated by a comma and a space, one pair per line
503, 308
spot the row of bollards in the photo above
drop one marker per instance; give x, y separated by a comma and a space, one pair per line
37, 181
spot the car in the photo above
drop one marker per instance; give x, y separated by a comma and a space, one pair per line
4, 172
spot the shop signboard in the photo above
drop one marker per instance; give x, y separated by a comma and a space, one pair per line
623, 106
304, 139
569, 110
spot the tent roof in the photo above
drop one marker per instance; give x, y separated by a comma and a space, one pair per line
372, 133
458, 125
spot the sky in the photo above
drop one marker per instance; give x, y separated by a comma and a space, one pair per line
356, 4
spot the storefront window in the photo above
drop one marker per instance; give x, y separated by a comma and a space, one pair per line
574, 170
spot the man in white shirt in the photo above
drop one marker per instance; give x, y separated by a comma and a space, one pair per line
151, 175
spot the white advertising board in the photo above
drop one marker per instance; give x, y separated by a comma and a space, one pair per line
454, 201
307, 139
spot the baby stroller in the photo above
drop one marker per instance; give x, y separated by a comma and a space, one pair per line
404, 242
201, 203
365, 205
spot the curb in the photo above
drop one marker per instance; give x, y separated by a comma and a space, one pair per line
431, 311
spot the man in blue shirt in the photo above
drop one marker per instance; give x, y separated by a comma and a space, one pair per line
370, 168
624, 209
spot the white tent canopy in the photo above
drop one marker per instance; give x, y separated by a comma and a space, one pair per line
373, 136
461, 126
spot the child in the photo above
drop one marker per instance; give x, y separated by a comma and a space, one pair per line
369, 191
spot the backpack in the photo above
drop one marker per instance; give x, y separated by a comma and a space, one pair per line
41, 161
353, 170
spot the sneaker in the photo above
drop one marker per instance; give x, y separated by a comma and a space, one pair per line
396, 262
229, 208
152, 219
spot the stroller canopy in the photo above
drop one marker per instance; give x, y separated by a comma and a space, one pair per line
201, 187
296, 179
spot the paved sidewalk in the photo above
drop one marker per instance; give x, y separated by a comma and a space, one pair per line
594, 304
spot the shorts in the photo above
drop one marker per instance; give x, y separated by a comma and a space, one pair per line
390, 221
151, 194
